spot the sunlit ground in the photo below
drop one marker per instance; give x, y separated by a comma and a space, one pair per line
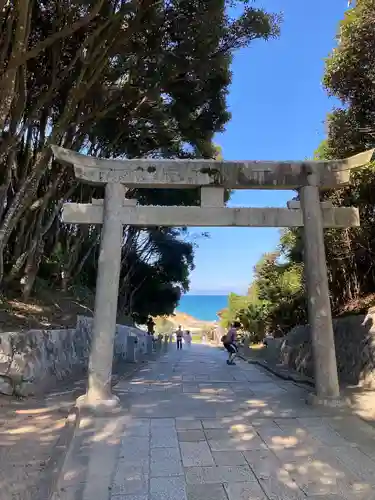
190, 420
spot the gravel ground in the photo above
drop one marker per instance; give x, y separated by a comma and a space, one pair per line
33, 438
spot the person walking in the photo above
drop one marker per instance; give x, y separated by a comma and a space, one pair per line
188, 338
179, 335
229, 342
150, 326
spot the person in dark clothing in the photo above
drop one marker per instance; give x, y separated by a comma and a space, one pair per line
150, 326
179, 335
229, 342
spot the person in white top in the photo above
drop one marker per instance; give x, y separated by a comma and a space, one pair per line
188, 338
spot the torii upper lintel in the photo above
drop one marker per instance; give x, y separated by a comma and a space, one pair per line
164, 173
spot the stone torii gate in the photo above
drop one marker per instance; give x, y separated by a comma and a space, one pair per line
212, 177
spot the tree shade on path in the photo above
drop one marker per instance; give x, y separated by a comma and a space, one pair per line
192, 427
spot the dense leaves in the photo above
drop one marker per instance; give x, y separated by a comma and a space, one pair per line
110, 78
275, 298
349, 76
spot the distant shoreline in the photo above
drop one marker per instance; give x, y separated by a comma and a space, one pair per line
202, 309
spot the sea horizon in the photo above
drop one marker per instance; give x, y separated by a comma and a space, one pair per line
202, 306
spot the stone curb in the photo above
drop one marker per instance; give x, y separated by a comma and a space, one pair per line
47, 486
281, 373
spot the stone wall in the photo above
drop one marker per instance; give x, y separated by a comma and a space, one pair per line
84, 328
30, 361
355, 349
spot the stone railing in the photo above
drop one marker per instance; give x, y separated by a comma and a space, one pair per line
31, 360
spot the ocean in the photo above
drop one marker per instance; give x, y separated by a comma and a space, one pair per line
203, 307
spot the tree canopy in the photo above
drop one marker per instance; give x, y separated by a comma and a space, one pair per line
349, 76
115, 79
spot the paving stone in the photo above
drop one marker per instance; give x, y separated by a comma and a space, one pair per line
206, 492
125, 468
236, 444
138, 428
241, 387
165, 462
68, 493
282, 439
241, 427
263, 463
164, 437
231, 433
309, 451
129, 497
219, 474
229, 458
92, 490
133, 482
325, 477
215, 389
307, 422
282, 487
216, 423
287, 423
167, 488
240, 376
162, 422
188, 424
196, 454
353, 429
262, 422
349, 495
328, 436
294, 454
201, 378
142, 461
191, 435
245, 491
357, 462
134, 447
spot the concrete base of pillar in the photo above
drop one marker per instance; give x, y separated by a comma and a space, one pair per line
315, 400
98, 406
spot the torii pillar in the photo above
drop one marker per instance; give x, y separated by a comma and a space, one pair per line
106, 298
318, 300
212, 177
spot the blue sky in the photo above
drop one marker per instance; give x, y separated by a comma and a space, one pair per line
278, 109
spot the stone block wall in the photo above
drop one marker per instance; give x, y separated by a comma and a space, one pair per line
85, 324
31, 360
355, 349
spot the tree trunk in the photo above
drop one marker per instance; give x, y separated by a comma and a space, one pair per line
31, 271
8, 78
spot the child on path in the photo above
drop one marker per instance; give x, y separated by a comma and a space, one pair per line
229, 342
188, 338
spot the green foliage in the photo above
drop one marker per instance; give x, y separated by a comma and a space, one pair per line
350, 73
115, 80
277, 298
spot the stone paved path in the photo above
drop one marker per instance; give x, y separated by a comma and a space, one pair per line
194, 428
